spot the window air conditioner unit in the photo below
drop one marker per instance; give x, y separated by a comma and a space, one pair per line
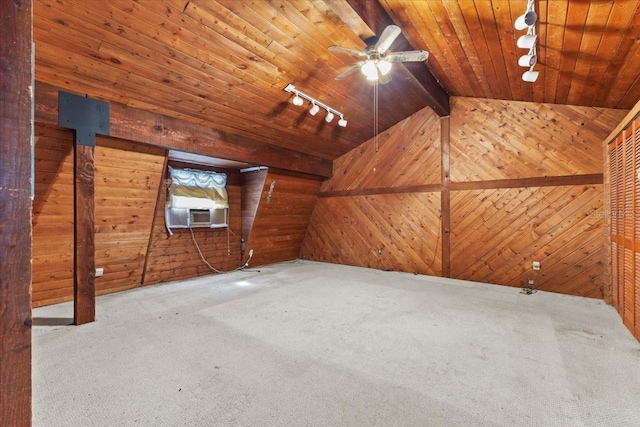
196, 218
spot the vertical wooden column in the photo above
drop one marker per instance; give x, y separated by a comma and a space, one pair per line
84, 303
16, 153
445, 196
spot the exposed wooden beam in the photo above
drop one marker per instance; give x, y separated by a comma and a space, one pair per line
16, 153
427, 188
374, 15
165, 132
542, 181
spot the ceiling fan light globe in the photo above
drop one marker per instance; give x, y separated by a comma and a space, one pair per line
369, 70
384, 67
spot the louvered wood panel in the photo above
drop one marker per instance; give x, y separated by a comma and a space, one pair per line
397, 232
624, 155
282, 216
176, 257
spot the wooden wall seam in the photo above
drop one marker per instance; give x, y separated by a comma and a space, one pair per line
161, 188
445, 195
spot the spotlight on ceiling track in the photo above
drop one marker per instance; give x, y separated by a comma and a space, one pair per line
298, 98
528, 60
329, 117
530, 76
526, 20
528, 41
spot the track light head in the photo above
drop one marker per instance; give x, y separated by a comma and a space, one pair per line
526, 20
527, 41
528, 60
314, 109
297, 101
329, 117
342, 122
530, 76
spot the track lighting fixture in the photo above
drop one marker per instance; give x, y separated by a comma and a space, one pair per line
528, 41
298, 100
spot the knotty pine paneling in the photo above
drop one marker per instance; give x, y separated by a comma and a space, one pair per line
493, 139
281, 220
396, 232
127, 179
52, 222
176, 257
496, 231
407, 155
497, 234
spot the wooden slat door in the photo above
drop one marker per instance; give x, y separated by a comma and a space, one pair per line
624, 158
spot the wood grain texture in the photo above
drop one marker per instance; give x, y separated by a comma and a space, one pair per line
166, 132
252, 185
84, 291
16, 152
176, 257
492, 140
497, 234
52, 222
128, 176
395, 232
408, 156
515, 197
282, 217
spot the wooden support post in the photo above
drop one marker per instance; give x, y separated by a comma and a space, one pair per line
445, 196
87, 117
16, 154
84, 275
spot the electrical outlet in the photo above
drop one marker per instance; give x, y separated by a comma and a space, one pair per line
99, 271
536, 265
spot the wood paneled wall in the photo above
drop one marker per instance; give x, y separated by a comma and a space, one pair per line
282, 216
526, 185
370, 214
176, 257
126, 186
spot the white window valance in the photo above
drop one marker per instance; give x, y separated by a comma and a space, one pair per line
197, 189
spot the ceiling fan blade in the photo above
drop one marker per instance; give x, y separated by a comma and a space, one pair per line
408, 56
352, 69
388, 36
352, 52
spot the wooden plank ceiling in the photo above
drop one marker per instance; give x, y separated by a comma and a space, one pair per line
224, 63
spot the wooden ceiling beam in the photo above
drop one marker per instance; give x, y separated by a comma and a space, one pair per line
376, 18
173, 134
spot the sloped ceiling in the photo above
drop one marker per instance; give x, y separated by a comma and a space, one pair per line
224, 63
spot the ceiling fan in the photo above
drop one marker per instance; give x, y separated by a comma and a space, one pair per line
375, 63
